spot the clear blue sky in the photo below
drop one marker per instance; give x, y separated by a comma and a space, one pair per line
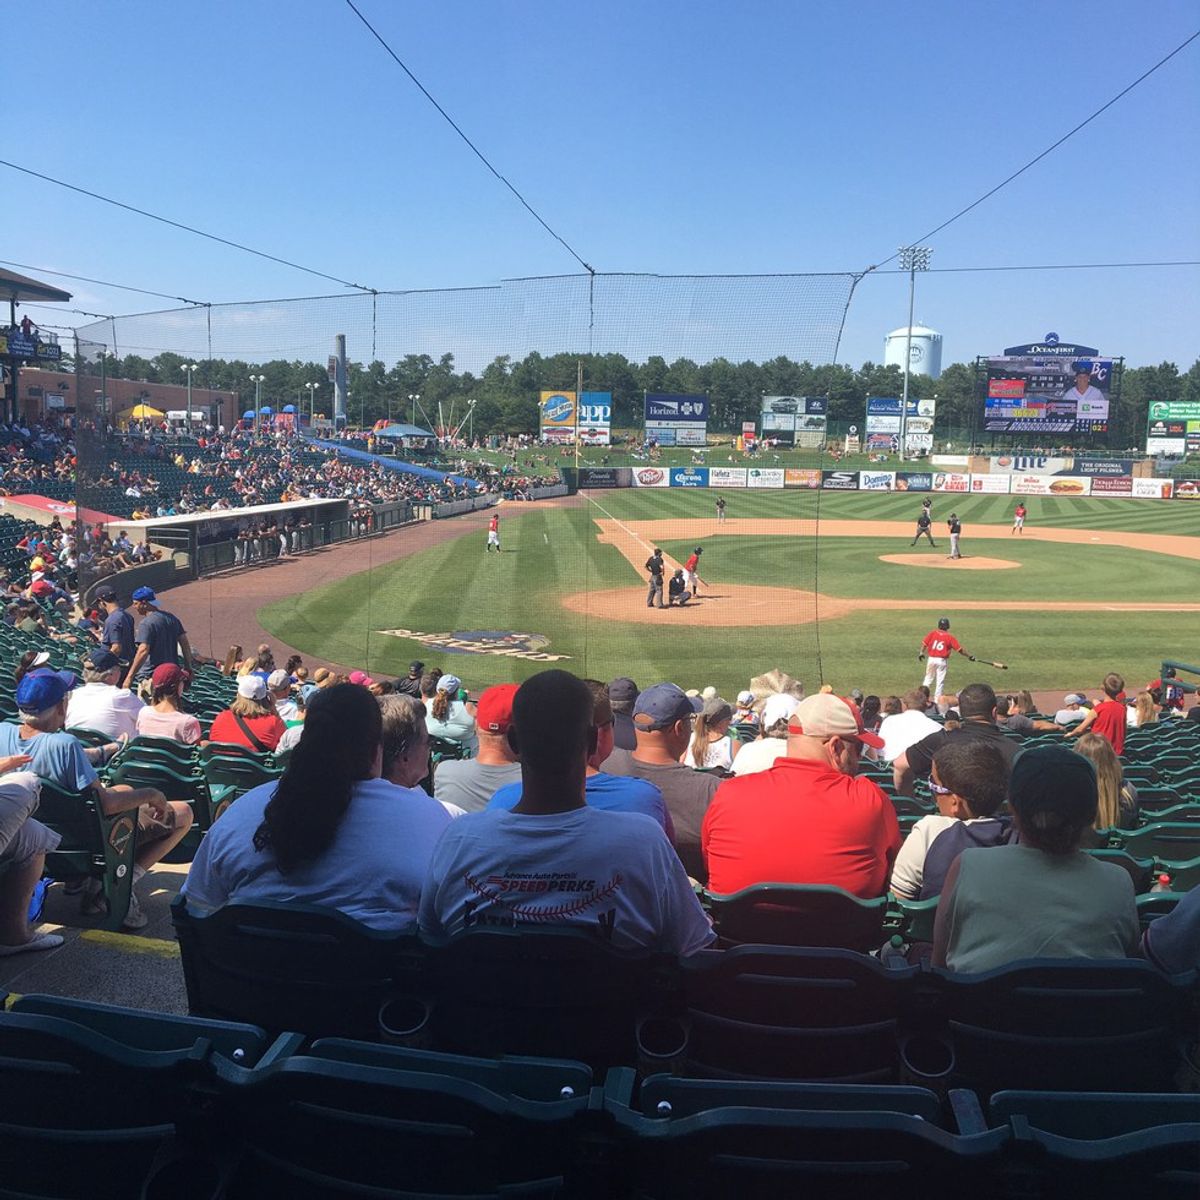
654, 135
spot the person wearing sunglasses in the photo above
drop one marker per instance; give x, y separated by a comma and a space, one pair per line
969, 781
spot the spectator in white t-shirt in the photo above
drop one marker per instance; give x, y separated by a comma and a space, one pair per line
99, 703
906, 728
771, 744
1072, 711
555, 860
279, 684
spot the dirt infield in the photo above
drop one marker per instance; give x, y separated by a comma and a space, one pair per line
731, 604
967, 562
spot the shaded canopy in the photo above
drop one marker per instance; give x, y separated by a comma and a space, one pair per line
403, 431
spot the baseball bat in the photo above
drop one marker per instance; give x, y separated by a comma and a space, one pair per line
998, 665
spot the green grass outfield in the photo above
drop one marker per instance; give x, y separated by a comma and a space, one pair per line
550, 552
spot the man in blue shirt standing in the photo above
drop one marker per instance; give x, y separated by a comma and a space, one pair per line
161, 638
117, 632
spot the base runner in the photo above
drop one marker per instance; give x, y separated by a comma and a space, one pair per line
937, 647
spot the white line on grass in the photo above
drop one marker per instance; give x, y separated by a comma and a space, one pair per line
618, 522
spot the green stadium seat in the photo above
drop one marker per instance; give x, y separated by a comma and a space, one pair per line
1179, 813
1141, 870
782, 1012
90, 737
566, 994
93, 846
1161, 840
287, 966
1184, 875
915, 918
777, 914
1050, 1024
193, 789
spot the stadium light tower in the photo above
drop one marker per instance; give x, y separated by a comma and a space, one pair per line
258, 381
912, 260
311, 388
189, 368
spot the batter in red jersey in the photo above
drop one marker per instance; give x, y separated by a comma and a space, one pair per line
691, 569
494, 533
937, 647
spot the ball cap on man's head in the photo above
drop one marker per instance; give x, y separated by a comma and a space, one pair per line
145, 594
416, 667
1053, 778
623, 690
100, 658
1074, 698
825, 715
107, 594
40, 690
493, 712
278, 679
361, 678
662, 705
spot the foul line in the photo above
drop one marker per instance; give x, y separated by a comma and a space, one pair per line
635, 536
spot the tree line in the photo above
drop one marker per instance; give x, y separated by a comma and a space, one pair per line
505, 393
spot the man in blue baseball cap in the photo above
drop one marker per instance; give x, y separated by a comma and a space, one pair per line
42, 698
662, 723
161, 638
101, 703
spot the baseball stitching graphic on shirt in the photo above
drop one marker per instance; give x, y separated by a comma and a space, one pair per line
586, 893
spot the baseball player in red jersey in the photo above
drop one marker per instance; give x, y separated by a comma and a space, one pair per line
691, 578
937, 647
493, 538
1018, 519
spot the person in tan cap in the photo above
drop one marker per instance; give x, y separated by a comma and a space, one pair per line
807, 819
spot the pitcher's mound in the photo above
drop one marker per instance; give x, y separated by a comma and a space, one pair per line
966, 563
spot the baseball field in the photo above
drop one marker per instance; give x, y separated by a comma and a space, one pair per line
823, 585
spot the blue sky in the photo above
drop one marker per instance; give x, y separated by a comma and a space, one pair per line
664, 137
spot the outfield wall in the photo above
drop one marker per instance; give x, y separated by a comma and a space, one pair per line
951, 481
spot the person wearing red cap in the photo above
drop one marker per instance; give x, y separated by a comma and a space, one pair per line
807, 819
470, 783
164, 716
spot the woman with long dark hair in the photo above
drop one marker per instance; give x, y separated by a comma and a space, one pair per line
330, 832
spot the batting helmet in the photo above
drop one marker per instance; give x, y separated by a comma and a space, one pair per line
943, 622
699, 549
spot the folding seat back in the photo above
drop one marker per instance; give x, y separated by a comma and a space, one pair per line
775, 914
768, 1012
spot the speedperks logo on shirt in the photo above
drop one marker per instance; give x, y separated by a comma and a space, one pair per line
543, 896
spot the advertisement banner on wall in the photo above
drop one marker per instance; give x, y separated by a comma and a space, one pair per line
689, 477
1153, 489
764, 477
839, 481
914, 481
918, 443
676, 420
557, 417
876, 481
885, 443
595, 419
1103, 466
650, 477
801, 477
890, 405
951, 481
1051, 485
1031, 464
990, 484
1187, 489
727, 477
1166, 447
886, 424
605, 477
919, 425
951, 460
1174, 410
1112, 485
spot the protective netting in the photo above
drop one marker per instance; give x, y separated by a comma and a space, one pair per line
575, 584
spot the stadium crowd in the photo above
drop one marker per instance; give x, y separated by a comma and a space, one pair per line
148, 472
411, 802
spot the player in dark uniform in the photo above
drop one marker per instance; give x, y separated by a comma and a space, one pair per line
955, 527
924, 521
655, 567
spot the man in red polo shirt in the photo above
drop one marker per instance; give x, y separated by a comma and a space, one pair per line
1108, 717
807, 819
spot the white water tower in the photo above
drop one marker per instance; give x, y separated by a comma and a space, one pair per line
926, 350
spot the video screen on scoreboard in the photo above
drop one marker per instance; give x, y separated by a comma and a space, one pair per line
1047, 395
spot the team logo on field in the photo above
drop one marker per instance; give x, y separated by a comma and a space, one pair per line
499, 642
